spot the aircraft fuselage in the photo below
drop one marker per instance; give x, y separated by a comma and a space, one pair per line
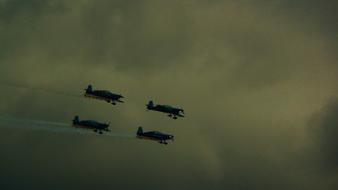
172, 111
154, 135
103, 95
90, 124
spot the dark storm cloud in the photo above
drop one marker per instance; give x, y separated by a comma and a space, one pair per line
9, 9
248, 73
324, 129
323, 13
125, 35
315, 16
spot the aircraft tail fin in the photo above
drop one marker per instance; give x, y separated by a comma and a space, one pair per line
89, 88
150, 104
139, 130
76, 119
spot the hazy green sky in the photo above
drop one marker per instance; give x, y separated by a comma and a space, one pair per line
257, 79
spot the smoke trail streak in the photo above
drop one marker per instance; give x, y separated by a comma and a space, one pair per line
56, 127
50, 91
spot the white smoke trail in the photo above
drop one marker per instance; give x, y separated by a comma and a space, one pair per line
45, 90
56, 127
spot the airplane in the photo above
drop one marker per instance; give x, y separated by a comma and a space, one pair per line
173, 112
90, 124
154, 135
103, 95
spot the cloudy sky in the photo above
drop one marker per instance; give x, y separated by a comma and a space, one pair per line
257, 79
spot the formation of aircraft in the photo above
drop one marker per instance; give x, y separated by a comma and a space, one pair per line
90, 124
103, 95
154, 135
171, 111
110, 97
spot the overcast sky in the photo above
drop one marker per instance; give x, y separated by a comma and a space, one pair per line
257, 79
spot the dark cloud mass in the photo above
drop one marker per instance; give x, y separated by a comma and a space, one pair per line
256, 79
324, 127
